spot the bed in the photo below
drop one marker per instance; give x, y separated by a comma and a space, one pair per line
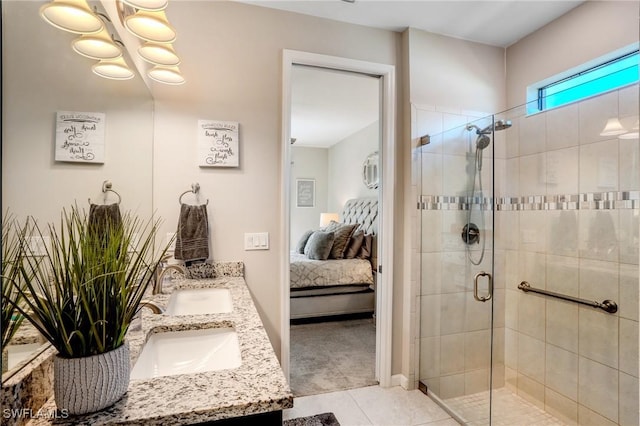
332, 287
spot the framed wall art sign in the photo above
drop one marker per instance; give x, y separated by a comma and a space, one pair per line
80, 137
218, 143
305, 193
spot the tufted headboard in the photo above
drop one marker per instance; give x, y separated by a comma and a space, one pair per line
364, 211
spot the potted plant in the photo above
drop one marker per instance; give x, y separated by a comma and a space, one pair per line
11, 318
82, 296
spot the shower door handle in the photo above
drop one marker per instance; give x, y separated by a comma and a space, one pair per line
475, 287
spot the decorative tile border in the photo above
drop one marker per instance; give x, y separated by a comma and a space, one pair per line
615, 200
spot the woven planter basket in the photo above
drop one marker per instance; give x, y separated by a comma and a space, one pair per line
85, 385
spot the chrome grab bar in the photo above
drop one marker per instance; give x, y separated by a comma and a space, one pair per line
475, 287
607, 305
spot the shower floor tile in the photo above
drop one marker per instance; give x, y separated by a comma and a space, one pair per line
508, 409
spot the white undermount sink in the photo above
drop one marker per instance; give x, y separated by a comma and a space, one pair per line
187, 352
196, 301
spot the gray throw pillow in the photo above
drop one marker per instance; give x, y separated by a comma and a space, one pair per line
303, 241
354, 245
343, 234
319, 245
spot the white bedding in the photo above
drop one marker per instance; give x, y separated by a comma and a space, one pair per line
306, 272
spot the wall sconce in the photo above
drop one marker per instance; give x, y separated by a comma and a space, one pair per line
633, 134
166, 75
71, 15
114, 69
150, 26
326, 218
97, 46
158, 54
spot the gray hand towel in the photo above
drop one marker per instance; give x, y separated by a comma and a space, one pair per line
192, 238
103, 216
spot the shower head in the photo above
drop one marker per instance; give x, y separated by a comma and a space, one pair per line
497, 126
483, 141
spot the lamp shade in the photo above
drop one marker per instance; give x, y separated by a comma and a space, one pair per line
326, 218
158, 54
97, 46
115, 69
152, 5
613, 128
71, 15
150, 26
633, 134
166, 75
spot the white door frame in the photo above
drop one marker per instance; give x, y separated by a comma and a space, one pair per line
384, 290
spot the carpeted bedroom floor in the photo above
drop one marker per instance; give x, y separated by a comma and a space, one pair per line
332, 356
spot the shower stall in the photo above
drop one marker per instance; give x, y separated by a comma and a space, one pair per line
528, 297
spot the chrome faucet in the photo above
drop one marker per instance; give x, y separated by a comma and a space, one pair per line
155, 308
161, 271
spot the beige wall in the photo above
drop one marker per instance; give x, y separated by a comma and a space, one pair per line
232, 56
345, 166
587, 32
308, 163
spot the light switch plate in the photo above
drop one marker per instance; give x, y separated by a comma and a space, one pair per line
256, 241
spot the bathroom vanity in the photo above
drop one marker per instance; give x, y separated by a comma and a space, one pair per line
243, 386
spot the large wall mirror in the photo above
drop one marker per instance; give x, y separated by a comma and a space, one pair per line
42, 75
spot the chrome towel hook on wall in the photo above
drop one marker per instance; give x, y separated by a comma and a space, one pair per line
195, 188
106, 187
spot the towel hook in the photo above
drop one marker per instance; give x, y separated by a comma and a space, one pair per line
195, 188
106, 187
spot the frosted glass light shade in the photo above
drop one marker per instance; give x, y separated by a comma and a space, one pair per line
158, 54
97, 46
613, 128
74, 16
115, 69
150, 26
152, 5
166, 75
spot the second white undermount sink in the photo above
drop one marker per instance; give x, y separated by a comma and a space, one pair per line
200, 301
187, 352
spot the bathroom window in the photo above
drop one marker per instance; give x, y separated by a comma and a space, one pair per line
609, 75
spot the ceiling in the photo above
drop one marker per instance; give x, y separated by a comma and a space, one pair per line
497, 23
329, 106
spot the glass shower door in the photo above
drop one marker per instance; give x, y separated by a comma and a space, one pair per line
457, 260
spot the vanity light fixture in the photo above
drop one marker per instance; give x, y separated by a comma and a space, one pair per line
633, 134
114, 69
159, 54
71, 15
166, 74
150, 26
152, 5
97, 46
613, 128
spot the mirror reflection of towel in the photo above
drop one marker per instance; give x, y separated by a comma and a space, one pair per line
192, 238
103, 216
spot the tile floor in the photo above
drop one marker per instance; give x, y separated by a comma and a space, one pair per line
374, 405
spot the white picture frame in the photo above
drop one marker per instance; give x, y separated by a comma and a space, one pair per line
305, 193
218, 143
80, 137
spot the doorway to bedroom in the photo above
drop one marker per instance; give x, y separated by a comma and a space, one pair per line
335, 144
334, 195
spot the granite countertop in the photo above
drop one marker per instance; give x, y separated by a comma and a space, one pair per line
257, 386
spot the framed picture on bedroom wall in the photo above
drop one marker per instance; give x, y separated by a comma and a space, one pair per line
305, 193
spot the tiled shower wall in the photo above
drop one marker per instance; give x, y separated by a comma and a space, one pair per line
571, 226
567, 220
